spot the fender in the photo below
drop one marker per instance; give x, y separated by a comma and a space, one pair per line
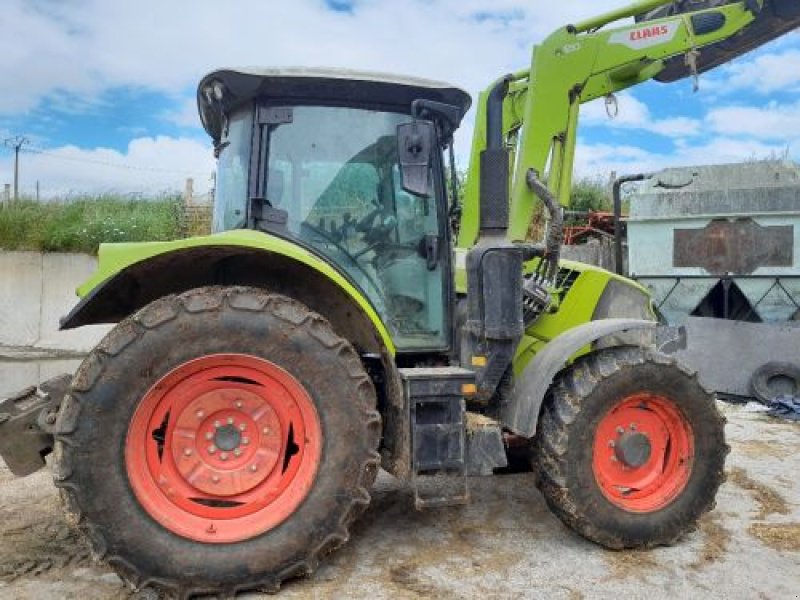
521, 413
130, 276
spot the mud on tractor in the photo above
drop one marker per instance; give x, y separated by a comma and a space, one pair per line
348, 314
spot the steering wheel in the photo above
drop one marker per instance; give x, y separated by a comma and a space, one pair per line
345, 252
324, 235
409, 248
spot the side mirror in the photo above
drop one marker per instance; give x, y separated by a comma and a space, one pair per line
415, 143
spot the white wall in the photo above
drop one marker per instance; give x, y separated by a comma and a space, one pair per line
36, 290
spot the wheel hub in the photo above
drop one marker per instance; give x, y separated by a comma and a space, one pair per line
633, 449
227, 437
230, 441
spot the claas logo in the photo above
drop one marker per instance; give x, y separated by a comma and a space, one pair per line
649, 32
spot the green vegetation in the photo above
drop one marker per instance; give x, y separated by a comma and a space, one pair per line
82, 224
591, 194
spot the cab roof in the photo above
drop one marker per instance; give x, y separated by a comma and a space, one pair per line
227, 89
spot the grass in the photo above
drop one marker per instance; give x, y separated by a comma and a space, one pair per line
82, 224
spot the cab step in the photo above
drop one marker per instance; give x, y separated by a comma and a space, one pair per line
438, 442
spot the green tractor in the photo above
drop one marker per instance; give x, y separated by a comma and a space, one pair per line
226, 433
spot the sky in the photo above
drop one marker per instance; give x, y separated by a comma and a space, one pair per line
105, 90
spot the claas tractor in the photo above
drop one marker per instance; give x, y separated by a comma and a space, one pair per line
350, 313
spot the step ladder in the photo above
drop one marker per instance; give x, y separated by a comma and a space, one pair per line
435, 398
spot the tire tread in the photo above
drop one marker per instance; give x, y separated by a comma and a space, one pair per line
560, 420
212, 300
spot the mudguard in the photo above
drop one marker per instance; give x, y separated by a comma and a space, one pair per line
130, 275
521, 413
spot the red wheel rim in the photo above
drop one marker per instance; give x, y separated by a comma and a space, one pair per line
643, 453
223, 448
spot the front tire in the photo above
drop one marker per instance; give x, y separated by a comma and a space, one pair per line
630, 449
220, 440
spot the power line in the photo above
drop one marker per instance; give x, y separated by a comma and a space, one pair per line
108, 164
16, 143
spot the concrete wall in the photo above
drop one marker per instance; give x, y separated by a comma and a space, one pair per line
23, 370
598, 252
36, 290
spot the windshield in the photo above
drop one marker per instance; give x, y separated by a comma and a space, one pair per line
230, 195
334, 173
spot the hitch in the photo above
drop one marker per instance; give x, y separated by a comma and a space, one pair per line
27, 424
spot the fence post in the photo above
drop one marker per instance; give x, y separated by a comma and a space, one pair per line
6, 195
188, 192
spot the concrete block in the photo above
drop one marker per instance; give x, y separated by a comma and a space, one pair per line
51, 368
20, 297
62, 273
15, 376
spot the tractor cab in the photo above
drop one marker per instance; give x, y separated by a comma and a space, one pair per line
312, 156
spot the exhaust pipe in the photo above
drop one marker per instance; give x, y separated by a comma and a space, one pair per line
617, 193
494, 166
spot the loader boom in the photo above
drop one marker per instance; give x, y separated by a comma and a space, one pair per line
577, 64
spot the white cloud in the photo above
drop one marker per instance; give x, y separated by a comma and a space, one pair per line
72, 52
88, 47
592, 159
149, 165
762, 75
634, 114
772, 122
184, 115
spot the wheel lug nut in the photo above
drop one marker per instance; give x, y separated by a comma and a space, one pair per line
245, 441
217, 424
633, 426
611, 443
212, 448
209, 436
265, 431
239, 404
253, 468
215, 478
200, 414
187, 452
223, 456
230, 420
620, 430
242, 427
237, 452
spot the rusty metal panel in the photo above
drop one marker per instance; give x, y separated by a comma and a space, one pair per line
735, 247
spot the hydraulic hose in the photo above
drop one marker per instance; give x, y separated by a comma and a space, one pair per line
555, 229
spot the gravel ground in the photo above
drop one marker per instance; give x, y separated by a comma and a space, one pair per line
505, 544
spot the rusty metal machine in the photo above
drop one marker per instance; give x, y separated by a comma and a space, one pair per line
719, 249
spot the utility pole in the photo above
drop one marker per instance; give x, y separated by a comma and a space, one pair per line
16, 143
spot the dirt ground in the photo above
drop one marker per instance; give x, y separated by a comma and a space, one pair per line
505, 544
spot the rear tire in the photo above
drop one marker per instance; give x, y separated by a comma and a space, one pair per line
774, 379
630, 449
236, 371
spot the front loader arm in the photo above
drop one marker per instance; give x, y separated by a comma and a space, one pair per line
576, 64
